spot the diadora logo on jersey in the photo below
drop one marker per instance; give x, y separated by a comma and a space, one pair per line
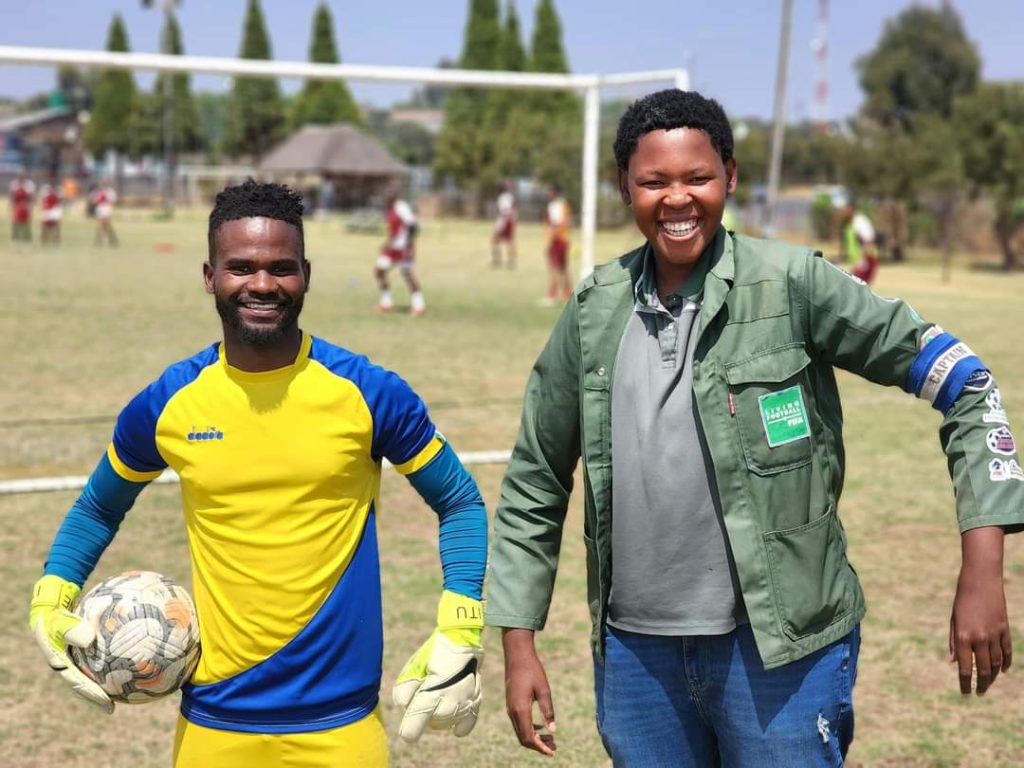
211, 433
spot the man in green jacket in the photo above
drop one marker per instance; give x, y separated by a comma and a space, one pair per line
695, 378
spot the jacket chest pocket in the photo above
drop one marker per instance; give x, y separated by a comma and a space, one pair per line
771, 406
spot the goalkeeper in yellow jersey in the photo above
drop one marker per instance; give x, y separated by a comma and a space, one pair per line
279, 439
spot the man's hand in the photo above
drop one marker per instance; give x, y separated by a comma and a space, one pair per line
439, 687
526, 682
55, 627
979, 630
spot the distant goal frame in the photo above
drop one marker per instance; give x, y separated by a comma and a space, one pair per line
590, 85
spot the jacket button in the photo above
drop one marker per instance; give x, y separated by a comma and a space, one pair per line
600, 371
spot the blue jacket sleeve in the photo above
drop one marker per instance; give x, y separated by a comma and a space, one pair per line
90, 525
452, 493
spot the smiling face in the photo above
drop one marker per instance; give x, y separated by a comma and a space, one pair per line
258, 278
677, 184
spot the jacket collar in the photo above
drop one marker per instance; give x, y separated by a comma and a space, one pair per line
720, 278
630, 266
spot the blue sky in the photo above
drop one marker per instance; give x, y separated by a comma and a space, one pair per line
730, 47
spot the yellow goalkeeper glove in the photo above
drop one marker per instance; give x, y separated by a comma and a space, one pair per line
55, 627
439, 686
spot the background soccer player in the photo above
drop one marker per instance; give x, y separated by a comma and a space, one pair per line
21, 195
280, 510
103, 199
504, 234
559, 220
399, 250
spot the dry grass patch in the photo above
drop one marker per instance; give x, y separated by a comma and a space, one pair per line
83, 329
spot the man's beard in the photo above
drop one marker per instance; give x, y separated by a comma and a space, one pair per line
261, 336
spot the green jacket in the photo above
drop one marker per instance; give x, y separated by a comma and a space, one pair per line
775, 321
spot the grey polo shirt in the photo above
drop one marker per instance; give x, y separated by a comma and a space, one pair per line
671, 569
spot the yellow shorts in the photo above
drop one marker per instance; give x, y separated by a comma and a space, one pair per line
362, 744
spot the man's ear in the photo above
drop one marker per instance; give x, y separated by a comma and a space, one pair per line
731, 176
624, 187
208, 276
307, 269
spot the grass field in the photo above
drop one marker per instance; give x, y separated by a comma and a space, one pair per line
83, 329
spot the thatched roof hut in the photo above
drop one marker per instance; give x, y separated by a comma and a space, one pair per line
358, 166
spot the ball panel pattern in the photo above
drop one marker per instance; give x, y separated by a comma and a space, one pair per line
147, 636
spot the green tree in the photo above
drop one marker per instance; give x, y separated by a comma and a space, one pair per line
511, 53
324, 101
557, 127
212, 110
185, 118
460, 144
752, 150
256, 120
411, 143
883, 164
114, 114
77, 86
922, 61
505, 139
920, 65
991, 123
547, 54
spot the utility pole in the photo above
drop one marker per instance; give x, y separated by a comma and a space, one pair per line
820, 47
779, 128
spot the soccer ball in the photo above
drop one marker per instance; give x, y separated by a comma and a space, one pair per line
147, 636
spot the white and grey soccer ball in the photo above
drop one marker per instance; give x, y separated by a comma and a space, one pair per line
147, 636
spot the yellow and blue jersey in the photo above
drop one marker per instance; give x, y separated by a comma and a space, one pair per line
280, 475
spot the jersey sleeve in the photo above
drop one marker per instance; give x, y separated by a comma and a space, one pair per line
91, 523
462, 535
404, 211
863, 228
133, 451
402, 430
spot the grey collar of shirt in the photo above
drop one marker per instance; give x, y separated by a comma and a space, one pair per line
692, 290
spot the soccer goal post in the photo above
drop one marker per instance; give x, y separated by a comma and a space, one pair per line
589, 85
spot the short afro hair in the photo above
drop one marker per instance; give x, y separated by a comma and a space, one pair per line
252, 199
668, 109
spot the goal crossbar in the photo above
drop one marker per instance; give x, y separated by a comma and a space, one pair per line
589, 84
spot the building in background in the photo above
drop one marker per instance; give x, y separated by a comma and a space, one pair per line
357, 168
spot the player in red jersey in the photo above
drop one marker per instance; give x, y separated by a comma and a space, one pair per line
505, 228
103, 200
22, 193
399, 250
53, 211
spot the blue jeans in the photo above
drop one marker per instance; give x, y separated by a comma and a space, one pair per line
707, 701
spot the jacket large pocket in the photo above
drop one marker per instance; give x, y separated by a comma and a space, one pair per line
814, 585
771, 408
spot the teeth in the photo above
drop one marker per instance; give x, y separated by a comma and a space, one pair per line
679, 228
261, 307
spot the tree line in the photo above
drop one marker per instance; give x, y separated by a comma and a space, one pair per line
929, 137
488, 134
246, 122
